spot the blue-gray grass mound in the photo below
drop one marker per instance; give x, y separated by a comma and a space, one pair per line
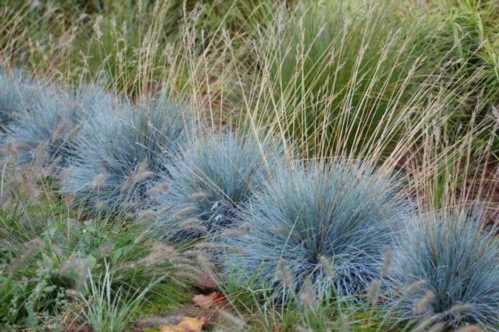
17, 93
120, 152
209, 182
91, 98
40, 121
324, 226
446, 270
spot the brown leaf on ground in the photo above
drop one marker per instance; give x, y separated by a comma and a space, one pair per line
210, 300
188, 324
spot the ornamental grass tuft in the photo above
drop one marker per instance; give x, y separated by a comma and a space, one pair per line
445, 270
38, 121
120, 152
17, 92
322, 225
209, 182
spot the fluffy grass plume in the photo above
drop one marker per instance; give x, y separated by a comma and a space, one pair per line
209, 181
445, 270
120, 152
322, 225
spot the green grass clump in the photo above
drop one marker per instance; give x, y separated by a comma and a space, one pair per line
106, 309
65, 264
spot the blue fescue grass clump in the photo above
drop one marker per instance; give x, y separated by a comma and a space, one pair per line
17, 93
91, 98
39, 121
445, 270
120, 152
326, 226
43, 130
209, 181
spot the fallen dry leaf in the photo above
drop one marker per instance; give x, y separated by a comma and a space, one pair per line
188, 324
208, 301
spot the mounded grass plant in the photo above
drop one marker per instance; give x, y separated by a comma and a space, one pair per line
445, 270
35, 119
207, 184
120, 152
43, 131
40, 121
17, 93
325, 226
92, 98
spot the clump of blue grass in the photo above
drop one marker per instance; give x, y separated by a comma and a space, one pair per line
445, 270
322, 225
119, 153
207, 184
17, 92
41, 128
92, 98
39, 121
